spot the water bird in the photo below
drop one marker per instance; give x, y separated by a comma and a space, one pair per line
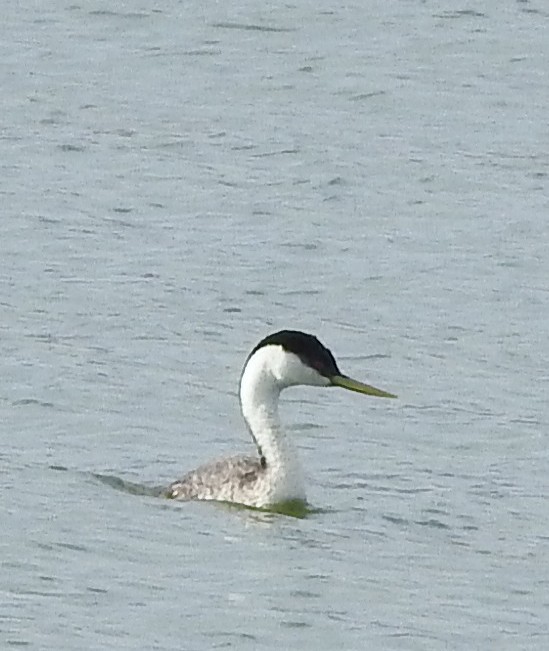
274, 477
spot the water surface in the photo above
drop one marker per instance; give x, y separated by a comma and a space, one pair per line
180, 180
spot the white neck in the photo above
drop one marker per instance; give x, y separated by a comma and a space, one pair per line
260, 388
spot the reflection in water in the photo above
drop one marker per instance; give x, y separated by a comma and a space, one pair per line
128, 486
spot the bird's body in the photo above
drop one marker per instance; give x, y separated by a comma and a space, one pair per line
242, 480
284, 359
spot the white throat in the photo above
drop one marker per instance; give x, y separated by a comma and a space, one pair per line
268, 371
259, 395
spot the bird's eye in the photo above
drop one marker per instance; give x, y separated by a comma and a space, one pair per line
319, 365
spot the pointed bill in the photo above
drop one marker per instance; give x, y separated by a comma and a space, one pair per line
354, 385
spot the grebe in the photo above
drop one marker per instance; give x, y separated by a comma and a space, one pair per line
281, 360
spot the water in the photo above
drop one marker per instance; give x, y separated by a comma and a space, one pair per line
180, 180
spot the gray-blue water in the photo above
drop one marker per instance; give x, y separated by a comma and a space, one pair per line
178, 180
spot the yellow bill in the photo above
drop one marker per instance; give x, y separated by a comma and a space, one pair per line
354, 385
